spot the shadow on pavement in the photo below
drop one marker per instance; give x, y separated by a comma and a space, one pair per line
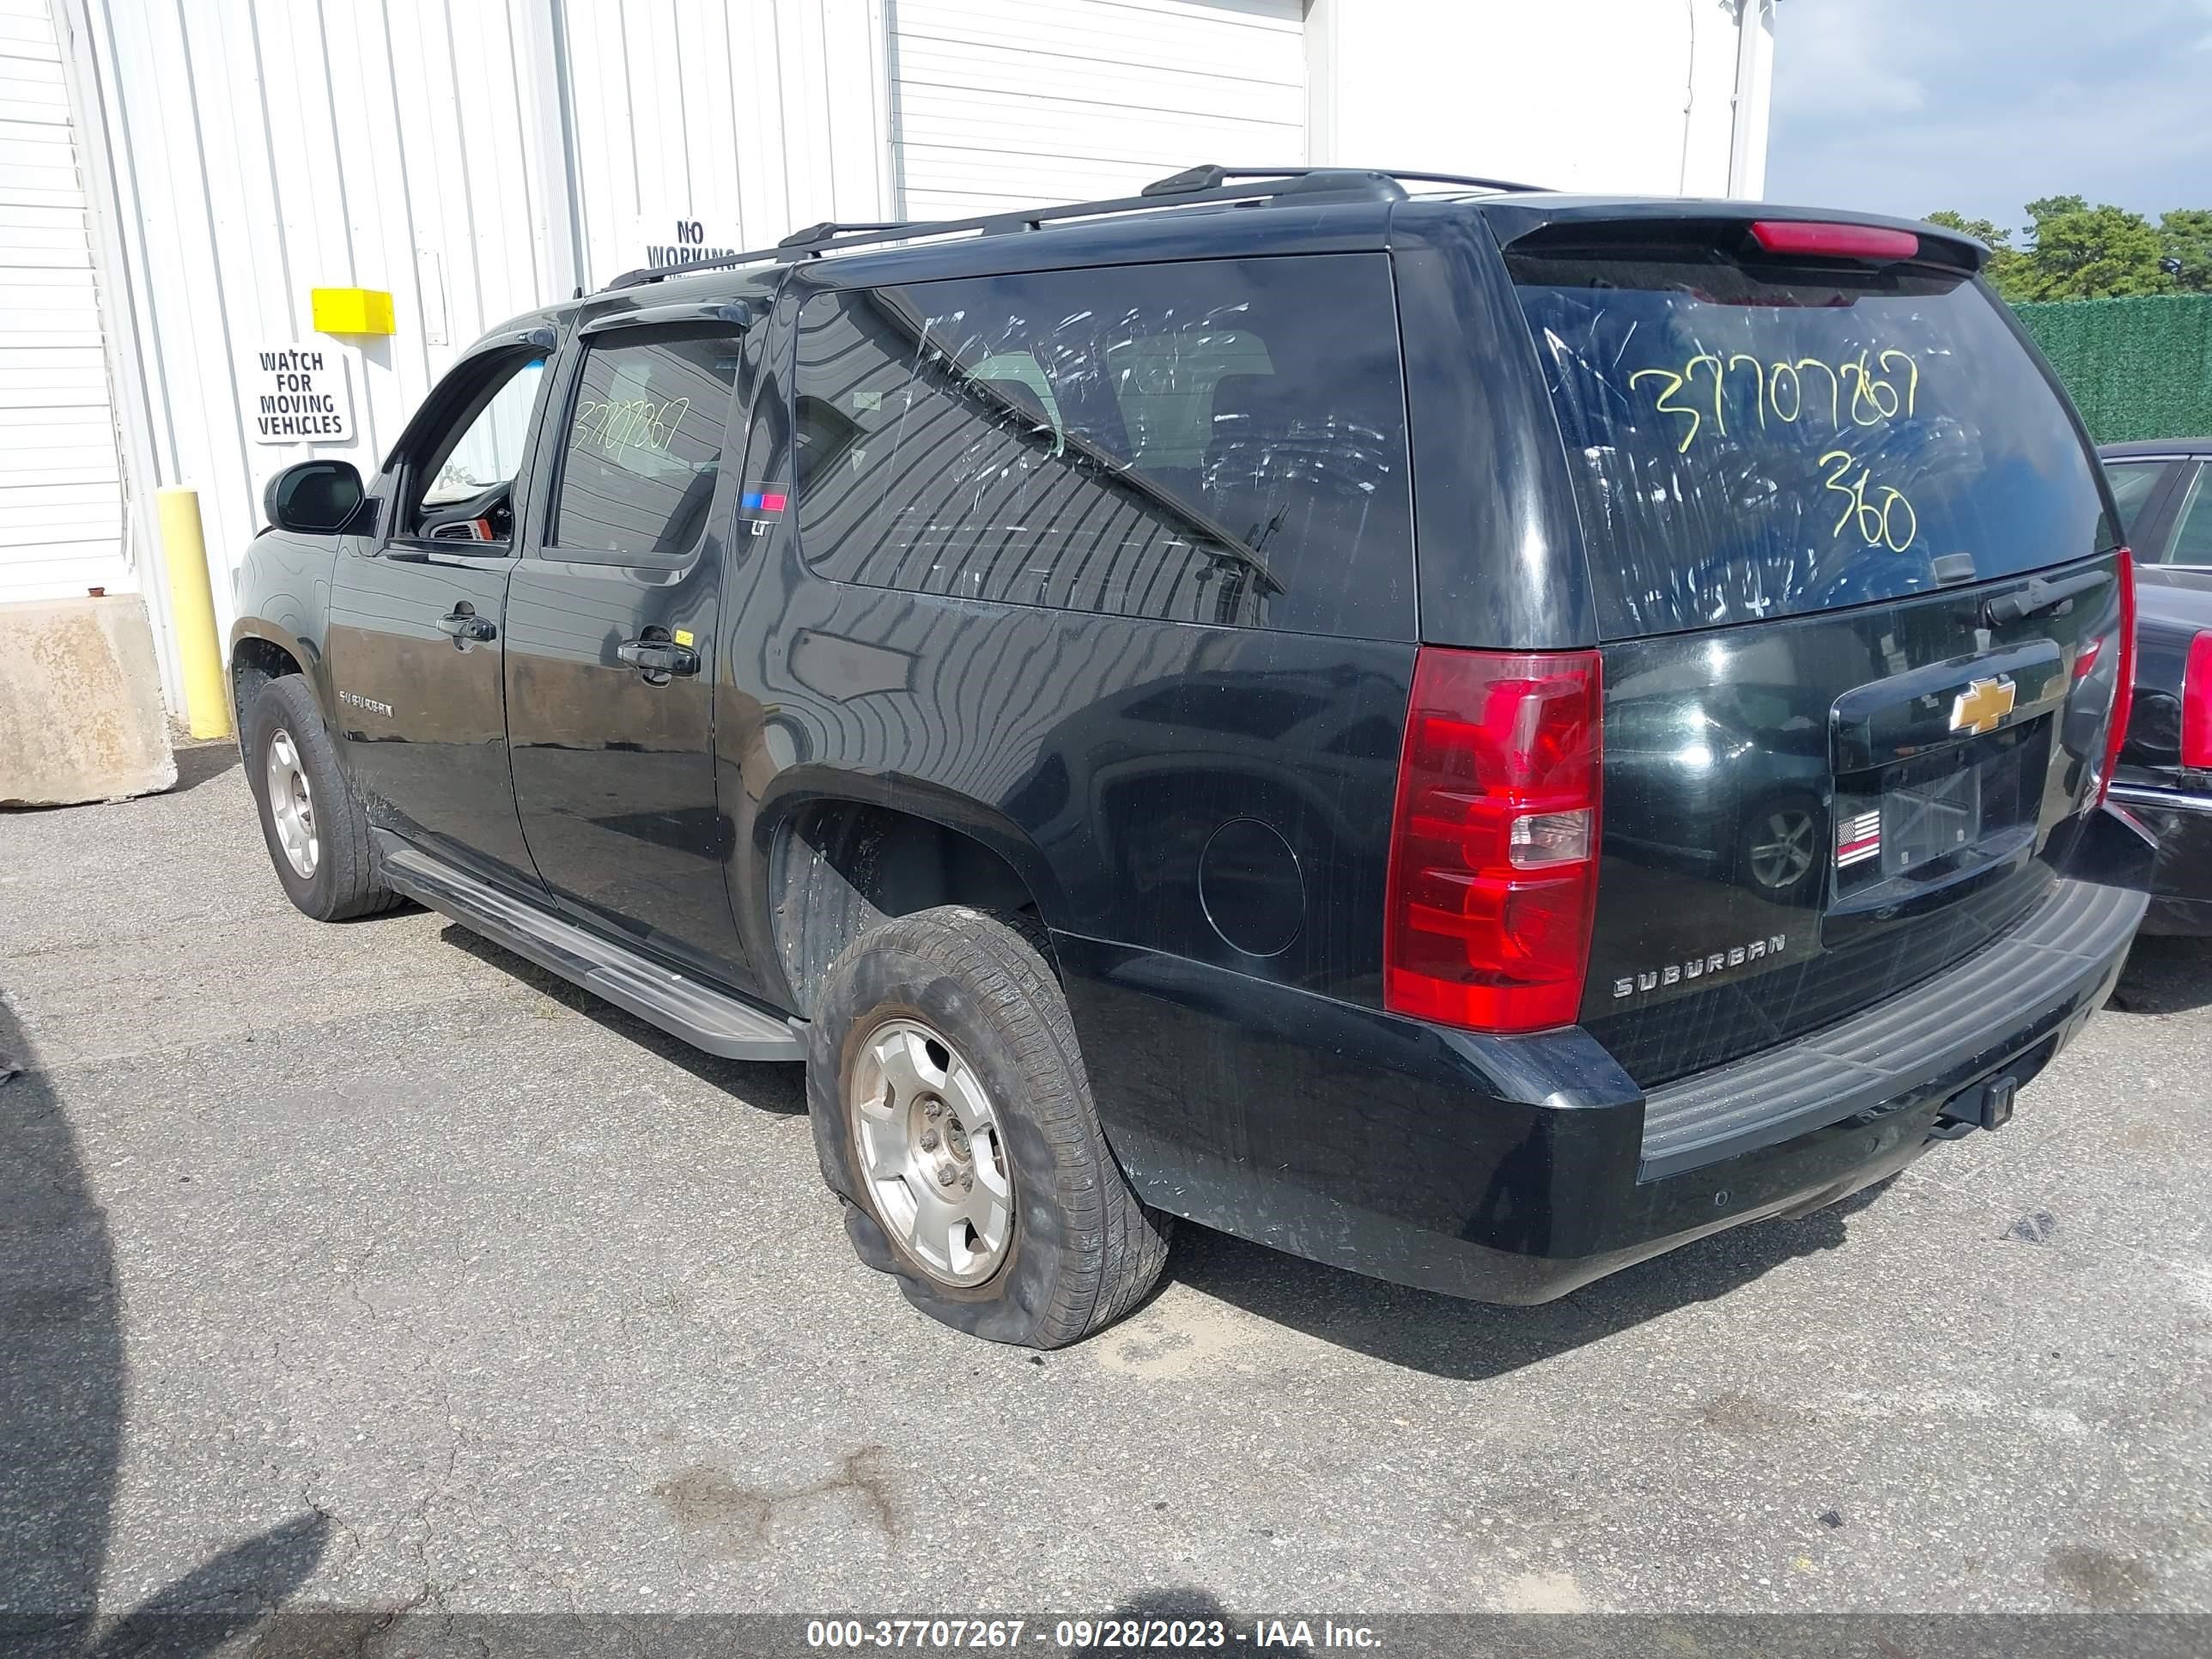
771, 1087
1418, 1329
1473, 1341
2166, 975
201, 763
62, 1389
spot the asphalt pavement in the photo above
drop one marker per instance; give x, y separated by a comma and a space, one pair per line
367, 1266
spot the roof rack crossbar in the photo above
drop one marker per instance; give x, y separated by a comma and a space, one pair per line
1476, 182
1190, 188
829, 228
1211, 177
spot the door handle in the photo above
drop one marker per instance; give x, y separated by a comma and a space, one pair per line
464, 625
651, 657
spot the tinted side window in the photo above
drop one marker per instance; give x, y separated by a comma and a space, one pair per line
1221, 442
644, 443
488, 451
2192, 532
2132, 483
463, 454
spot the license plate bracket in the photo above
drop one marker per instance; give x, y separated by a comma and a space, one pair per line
1922, 822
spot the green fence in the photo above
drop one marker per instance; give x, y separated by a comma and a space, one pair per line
2138, 368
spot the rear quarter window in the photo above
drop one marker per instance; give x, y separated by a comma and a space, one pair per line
1749, 444
1220, 442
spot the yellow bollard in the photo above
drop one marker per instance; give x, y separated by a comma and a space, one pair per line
192, 613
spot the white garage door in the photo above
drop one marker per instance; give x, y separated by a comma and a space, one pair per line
61, 503
1001, 103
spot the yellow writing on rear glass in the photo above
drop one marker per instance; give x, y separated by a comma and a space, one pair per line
1858, 392
1888, 521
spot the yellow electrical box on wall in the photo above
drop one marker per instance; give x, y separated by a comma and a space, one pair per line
352, 311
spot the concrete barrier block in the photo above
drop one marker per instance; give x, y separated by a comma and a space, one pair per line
81, 711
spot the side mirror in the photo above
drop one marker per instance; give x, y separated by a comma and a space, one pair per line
315, 498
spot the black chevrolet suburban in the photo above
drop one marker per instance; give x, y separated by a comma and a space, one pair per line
1468, 733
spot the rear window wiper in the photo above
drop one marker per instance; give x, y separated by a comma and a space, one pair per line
2038, 595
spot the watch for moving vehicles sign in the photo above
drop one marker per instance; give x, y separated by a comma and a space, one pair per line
297, 394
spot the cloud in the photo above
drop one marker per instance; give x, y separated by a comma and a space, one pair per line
1835, 63
1903, 107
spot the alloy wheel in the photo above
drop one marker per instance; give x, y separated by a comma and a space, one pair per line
292, 806
933, 1151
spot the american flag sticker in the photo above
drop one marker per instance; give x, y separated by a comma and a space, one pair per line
1858, 839
765, 500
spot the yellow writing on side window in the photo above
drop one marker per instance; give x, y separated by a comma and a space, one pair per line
1861, 391
627, 423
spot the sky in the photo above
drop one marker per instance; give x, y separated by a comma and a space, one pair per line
1907, 106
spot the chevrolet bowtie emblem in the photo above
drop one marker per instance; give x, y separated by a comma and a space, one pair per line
1982, 705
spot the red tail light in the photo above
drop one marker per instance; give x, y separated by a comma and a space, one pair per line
1493, 852
1834, 241
2123, 677
2196, 703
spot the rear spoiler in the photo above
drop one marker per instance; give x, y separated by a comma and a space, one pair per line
1743, 229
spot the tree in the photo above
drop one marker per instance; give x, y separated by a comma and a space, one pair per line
1983, 230
2185, 240
2084, 252
2003, 268
2076, 252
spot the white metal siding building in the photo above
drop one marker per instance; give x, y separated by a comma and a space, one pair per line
61, 501
1004, 102
476, 158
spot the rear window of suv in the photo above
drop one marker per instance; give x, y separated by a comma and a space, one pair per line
1757, 442
1216, 442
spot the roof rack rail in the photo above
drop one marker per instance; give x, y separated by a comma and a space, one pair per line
829, 227
1473, 181
1189, 188
1363, 181
1209, 177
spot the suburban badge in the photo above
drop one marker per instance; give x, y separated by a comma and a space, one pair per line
1717, 961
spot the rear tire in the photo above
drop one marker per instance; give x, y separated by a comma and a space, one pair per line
317, 831
953, 1117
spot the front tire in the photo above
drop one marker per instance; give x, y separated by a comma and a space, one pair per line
317, 832
953, 1116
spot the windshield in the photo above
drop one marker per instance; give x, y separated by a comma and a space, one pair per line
1747, 447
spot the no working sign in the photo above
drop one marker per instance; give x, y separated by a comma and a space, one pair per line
297, 394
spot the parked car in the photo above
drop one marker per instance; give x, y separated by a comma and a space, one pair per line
1127, 693
2164, 491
